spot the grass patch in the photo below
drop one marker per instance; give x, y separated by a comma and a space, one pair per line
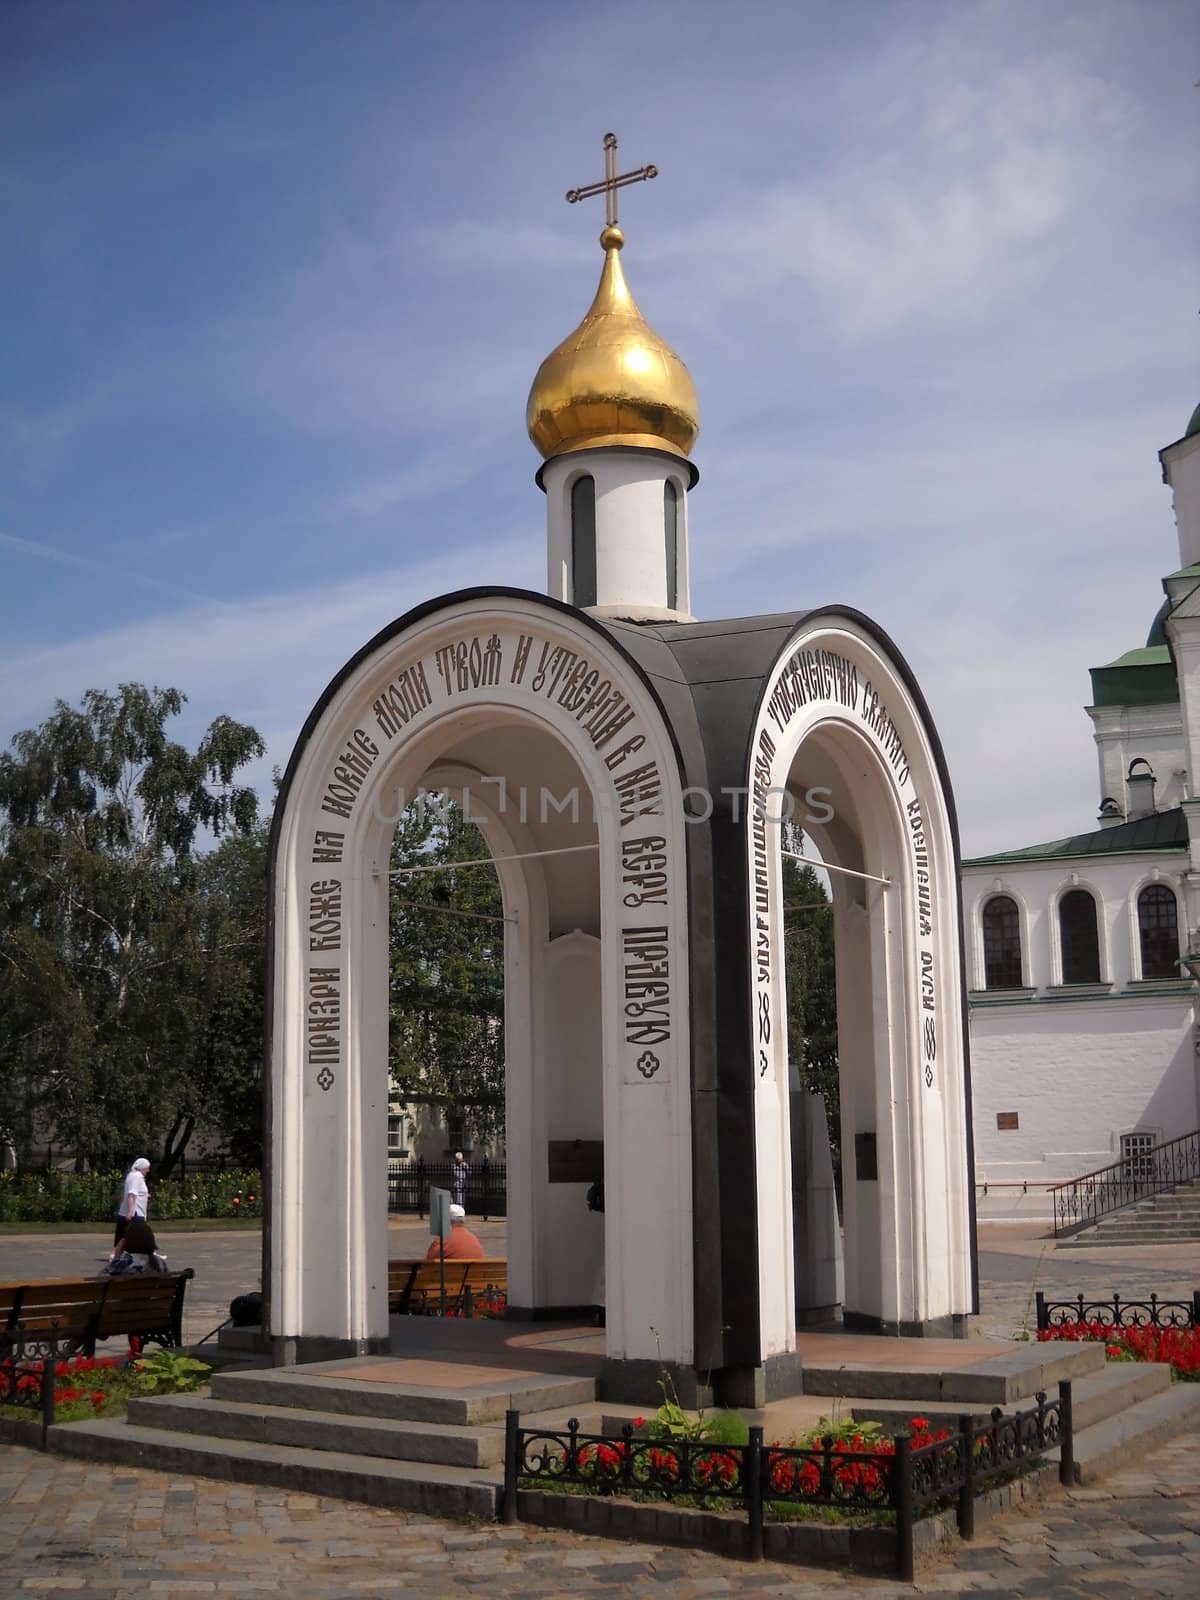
103, 1230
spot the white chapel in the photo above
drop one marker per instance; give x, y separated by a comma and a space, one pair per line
628, 766
1083, 1009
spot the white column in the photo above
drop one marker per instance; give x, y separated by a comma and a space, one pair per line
631, 544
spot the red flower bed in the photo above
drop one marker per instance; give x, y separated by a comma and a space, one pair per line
82, 1379
854, 1470
1177, 1347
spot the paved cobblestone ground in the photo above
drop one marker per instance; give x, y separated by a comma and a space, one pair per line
1014, 1260
72, 1529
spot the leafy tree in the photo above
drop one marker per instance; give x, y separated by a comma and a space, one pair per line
102, 965
811, 986
447, 971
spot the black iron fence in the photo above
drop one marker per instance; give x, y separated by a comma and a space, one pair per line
898, 1480
28, 1361
409, 1183
1118, 1313
1086, 1199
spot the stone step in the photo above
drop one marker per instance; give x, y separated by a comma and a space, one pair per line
1149, 1232
249, 1339
1094, 1397
1121, 1438
1134, 1236
485, 1400
443, 1443
426, 1487
996, 1380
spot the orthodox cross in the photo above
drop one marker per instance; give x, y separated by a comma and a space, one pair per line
610, 183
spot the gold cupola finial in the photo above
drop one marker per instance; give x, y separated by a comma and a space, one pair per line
613, 381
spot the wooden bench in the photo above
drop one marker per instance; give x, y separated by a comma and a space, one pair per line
147, 1306
414, 1287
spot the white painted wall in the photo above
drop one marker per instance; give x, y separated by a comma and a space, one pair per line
1079, 1074
631, 564
1155, 733
1036, 887
1181, 469
573, 1236
1079, 1067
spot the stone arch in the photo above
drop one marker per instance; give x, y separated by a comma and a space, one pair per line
839, 707
477, 680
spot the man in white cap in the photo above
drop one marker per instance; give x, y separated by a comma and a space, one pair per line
462, 1245
135, 1201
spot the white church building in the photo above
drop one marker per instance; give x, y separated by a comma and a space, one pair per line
1083, 1015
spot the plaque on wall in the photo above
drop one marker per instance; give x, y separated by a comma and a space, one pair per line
576, 1160
866, 1159
1006, 1121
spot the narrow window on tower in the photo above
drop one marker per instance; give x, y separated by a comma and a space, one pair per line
583, 542
671, 525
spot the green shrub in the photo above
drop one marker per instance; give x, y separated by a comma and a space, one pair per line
94, 1196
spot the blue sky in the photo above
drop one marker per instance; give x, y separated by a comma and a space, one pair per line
279, 274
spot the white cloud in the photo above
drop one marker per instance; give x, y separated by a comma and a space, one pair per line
264, 660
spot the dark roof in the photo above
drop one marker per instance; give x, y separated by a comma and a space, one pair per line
1158, 629
1162, 830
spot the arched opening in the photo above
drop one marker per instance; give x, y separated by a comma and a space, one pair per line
527, 799
1001, 943
446, 1012
1158, 931
813, 1086
1079, 937
549, 742
838, 794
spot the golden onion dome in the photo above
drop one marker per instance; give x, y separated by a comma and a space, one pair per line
613, 381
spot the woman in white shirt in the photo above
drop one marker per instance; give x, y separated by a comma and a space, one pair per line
135, 1201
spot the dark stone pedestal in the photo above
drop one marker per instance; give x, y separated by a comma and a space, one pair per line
296, 1352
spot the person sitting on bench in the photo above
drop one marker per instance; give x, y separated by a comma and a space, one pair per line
462, 1245
139, 1252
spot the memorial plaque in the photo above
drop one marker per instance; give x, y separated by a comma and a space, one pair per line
1007, 1121
576, 1160
866, 1159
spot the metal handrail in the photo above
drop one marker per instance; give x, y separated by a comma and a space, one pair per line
1080, 1201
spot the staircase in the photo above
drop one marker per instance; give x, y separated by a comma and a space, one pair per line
411, 1446
423, 1436
1171, 1217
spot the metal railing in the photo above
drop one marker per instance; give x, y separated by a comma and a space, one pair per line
902, 1481
1117, 1313
1084, 1200
409, 1183
29, 1358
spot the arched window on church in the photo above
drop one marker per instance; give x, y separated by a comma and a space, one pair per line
1158, 931
1079, 937
671, 527
1001, 943
583, 542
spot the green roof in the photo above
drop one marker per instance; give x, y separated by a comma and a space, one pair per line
1194, 425
1143, 677
1162, 830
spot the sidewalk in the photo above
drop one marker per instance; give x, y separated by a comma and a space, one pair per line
99, 1534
